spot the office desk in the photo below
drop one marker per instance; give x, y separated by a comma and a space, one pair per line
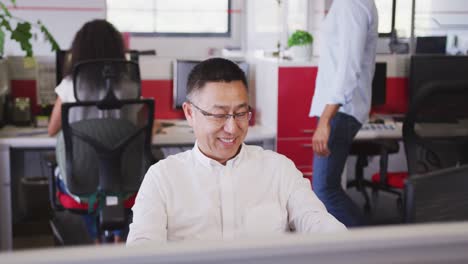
14, 138
400, 244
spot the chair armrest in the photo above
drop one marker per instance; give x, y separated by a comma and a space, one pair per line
52, 164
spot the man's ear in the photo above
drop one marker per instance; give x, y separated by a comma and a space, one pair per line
188, 112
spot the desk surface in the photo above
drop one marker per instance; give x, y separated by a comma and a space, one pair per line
178, 134
393, 130
181, 133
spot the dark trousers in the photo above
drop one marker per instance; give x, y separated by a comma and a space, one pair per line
327, 172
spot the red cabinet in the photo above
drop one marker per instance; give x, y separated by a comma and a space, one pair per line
295, 128
298, 150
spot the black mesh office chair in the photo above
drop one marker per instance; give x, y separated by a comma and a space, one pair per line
435, 130
437, 196
105, 146
435, 135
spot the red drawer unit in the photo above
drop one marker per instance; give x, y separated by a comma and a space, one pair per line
295, 128
298, 150
295, 90
307, 172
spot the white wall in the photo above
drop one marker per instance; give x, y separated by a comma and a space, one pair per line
263, 25
267, 24
318, 10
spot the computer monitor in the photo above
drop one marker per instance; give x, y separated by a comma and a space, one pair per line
430, 68
379, 84
182, 69
431, 45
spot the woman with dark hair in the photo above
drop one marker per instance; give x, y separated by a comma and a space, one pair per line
97, 39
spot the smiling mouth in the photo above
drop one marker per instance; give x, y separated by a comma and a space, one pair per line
227, 140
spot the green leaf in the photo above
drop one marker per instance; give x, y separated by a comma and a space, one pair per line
22, 34
4, 23
5, 9
2, 41
48, 36
300, 38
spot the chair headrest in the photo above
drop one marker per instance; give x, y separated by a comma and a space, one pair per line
106, 81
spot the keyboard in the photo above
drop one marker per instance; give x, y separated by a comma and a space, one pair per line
378, 127
370, 131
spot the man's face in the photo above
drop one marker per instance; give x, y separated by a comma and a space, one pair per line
219, 138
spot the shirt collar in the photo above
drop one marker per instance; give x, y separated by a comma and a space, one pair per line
211, 163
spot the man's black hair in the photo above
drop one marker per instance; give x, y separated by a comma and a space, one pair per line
214, 70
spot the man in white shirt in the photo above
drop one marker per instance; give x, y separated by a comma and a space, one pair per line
223, 189
342, 98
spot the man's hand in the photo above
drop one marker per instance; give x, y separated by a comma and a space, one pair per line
320, 139
322, 133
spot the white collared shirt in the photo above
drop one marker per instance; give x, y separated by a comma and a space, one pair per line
189, 196
347, 58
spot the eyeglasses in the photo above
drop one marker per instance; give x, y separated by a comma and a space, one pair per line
222, 118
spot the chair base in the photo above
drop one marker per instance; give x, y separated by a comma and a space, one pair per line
360, 186
362, 150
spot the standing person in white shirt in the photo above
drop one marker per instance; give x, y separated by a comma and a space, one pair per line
223, 189
342, 98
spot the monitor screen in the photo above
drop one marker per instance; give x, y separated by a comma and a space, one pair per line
182, 69
429, 68
431, 45
379, 84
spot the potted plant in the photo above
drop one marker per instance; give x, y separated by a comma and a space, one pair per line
300, 45
21, 31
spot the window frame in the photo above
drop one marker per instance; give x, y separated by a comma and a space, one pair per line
227, 34
393, 21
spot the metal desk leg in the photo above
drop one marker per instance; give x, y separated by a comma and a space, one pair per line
6, 234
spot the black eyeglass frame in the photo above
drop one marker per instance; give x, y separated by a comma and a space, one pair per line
224, 117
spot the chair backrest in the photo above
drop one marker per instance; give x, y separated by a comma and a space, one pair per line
107, 131
435, 130
437, 196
